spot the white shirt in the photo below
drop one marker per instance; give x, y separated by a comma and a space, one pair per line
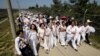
26, 21
54, 30
48, 30
79, 30
71, 29
87, 29
44, 19
41, 20
32, 36
83, 30
26, 31
41, 32
17, 46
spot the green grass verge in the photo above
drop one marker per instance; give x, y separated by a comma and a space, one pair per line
95, 39
6, 43
6, 40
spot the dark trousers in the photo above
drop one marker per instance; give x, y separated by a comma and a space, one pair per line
20, 27
87, 38
26, 51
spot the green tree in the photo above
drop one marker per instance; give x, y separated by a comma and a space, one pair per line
72, 1
79, 7
56, 6
31, 7
36, 6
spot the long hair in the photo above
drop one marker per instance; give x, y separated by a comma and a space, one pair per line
34, 28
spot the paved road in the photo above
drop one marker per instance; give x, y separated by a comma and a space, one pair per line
84, 50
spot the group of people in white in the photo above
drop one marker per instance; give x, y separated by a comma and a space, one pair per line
37, 29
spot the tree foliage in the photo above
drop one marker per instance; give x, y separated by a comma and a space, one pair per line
75, 8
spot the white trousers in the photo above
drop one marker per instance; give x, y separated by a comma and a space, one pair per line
83, 37
73, 39
34, 45
26, 34
46, 43
74, 43
49, 42
69, 38
78, 36
62, 38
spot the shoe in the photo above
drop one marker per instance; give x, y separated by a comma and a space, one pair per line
65, 47
62, 45
78, 45
55, 45
36, 55
66, 44
75, 49
47, 52
90, 43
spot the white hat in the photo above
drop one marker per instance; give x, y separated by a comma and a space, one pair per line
57, 17
41, 15
28, 16
50, 17
88, 21
72, 18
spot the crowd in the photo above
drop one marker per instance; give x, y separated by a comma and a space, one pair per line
39, 30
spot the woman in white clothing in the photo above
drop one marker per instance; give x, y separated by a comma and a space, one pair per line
62, 33
52, 38
54, 31
57, 31
47, 39
41, 34
33, 39
26, 29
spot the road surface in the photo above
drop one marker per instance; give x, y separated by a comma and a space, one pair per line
84, 50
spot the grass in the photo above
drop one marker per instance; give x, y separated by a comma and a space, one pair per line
6, 40
6, 43
95, 39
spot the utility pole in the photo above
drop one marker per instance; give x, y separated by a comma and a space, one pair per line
84, 16
11, 20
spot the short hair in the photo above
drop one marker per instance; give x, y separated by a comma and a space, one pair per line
79, 23
57, 22
18, 32
72, 22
